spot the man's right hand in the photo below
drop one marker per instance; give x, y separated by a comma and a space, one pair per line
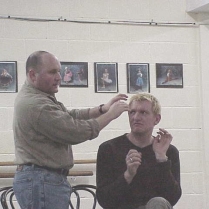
117, 109
119, 97
133, 161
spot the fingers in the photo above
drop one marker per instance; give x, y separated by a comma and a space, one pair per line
164, 135
133, 161
123, 97
133, 157
118, 98
162, 131
124, 105
120, 106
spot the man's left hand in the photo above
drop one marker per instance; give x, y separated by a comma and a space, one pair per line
161, 143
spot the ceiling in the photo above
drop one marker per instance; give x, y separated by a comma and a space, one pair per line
198, 6
201, 9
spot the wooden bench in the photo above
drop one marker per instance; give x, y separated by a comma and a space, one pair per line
71, 172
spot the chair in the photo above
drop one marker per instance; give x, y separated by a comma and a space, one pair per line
7, 192
83, 187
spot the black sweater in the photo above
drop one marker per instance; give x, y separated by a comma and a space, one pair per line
152, 179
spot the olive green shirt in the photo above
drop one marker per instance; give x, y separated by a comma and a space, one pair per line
44, 129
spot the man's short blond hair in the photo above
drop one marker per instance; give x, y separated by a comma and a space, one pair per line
156, 108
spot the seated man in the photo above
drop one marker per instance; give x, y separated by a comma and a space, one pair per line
138, 170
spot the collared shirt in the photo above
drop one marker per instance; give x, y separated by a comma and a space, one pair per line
44, 129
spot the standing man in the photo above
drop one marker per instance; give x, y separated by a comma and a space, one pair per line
138, 170
44, 131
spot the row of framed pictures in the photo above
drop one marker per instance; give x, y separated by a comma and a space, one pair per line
75, 74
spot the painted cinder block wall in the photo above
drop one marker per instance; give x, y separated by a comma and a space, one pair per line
121, 43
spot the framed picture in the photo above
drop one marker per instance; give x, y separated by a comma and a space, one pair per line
8, 77
74, 74
106, 77
138, 78
169, 75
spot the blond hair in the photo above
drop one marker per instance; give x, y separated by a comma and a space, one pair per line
156, 108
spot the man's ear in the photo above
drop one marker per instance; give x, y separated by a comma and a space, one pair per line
32, 75
157, 119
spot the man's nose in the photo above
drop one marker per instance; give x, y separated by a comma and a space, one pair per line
137, 116
58, 76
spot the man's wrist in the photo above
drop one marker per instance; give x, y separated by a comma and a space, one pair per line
162, 159
100, 109
128, 177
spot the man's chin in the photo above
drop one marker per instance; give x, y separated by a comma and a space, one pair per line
53, 92
56, 89
137, 130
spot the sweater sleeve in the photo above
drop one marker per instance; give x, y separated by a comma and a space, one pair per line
169, 177
111, 190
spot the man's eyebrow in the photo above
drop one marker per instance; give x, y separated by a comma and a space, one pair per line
54, 70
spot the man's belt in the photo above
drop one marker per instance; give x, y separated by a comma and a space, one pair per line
61, 171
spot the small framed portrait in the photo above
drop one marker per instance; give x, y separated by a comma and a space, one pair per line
138, 78
169, 75
106, 77
74, 74
8, 77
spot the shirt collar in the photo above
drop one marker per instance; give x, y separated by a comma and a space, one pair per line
37, 91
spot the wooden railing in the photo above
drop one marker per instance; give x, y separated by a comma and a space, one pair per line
71, 172
87, 161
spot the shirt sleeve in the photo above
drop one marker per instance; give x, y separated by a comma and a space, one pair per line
67, 127
82, 114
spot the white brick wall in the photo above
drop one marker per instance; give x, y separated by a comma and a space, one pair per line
122, 43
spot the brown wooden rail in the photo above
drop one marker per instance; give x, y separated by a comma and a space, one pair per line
88, 161
71, 173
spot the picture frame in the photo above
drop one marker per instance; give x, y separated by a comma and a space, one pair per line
138, 78
169, 75
8, 77
74, 74
106, 77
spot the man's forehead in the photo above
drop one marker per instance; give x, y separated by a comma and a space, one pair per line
138, 104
